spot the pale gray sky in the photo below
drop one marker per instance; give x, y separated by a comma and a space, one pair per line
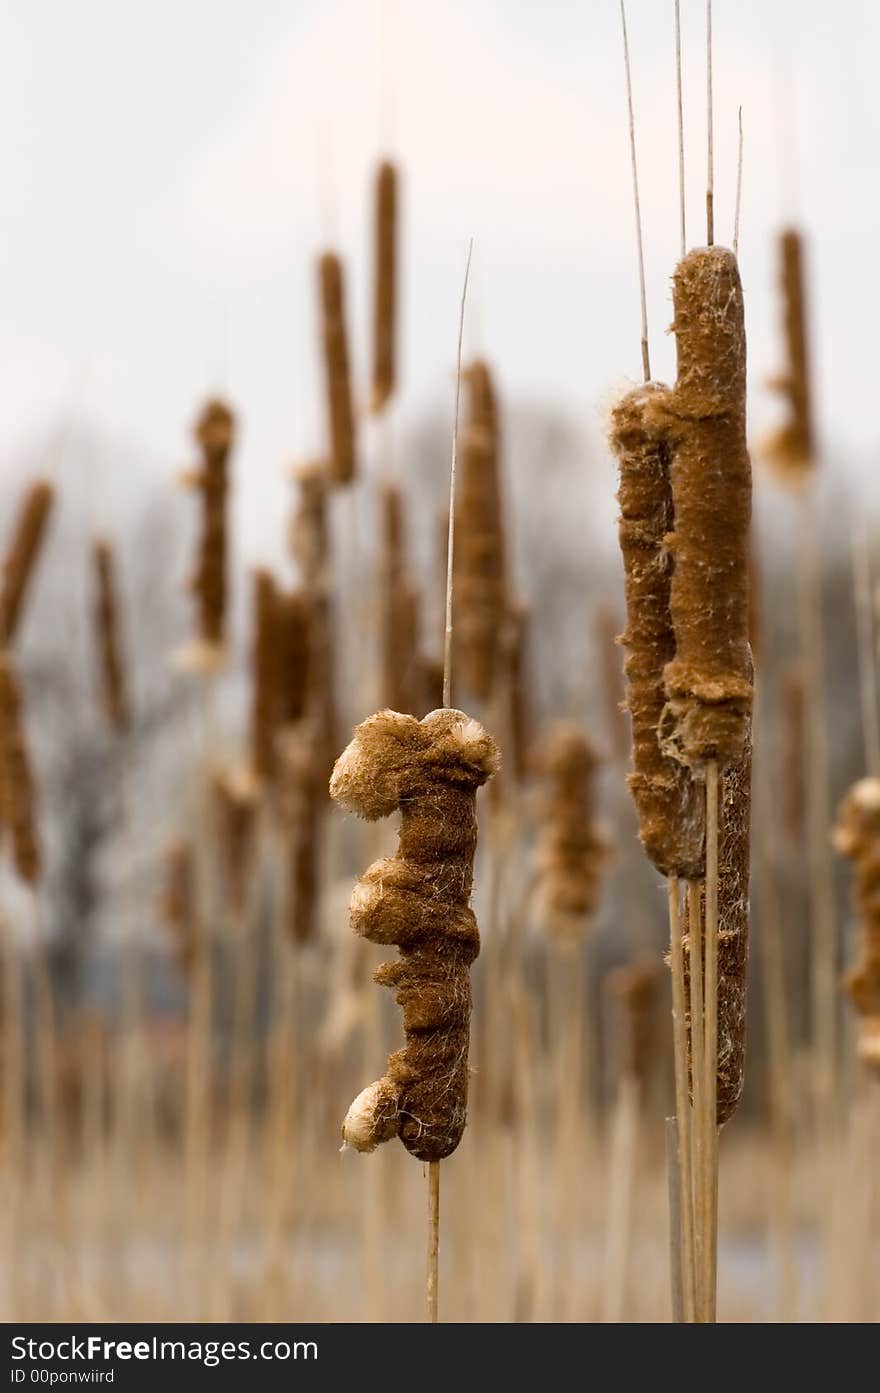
161, 203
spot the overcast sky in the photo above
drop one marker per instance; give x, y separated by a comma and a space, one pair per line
170, 169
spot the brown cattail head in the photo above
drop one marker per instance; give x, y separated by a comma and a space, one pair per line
235, 814
303, 798
857, 836
790, 451
114, 696
293, 633
480, 565
709, 678
571, 852
399, 611
19, 793
385, 283
215, 434
793, 746
340, 411
668, 803
21, 557
419, 900
179, 904
309, 530
264, 676
606, 634
635, 989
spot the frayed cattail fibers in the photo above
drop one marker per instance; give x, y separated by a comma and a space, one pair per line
385, 286
114, 696
235, 814
418, 900
215, 435
480, 567
857, 836
572, 851
19, 793
337, 374
635, 989
399, 611
21, 557
790, 450
734, 839
179, 904
264, 676
709, 678
293, 637
668, 803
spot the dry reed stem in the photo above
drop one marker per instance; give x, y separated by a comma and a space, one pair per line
694, 960
385, 286
711, 1012
622, 1172
108, 640
432, 1283
682, 1104
337, 376
19, 564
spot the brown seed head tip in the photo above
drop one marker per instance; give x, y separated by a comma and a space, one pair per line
373, 1117
215, 427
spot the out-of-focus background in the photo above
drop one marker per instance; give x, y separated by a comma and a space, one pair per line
170, 175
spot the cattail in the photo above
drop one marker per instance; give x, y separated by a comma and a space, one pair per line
668, 803
792, 744
480, 568
114, 696
514, 660
635, 989
21, 557
399, 611
336, 368
857, 836
303, 797
790, 451
293, 639
310, 530
709, 678
571, 852
179, 904
606, 632
419, 900
265, 685
19, 793
215, 434
235, 814
385, 281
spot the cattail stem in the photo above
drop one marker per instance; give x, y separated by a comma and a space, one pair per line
682, 1104
710, 1012
622, 1174
699, 1083
431, 1285
673, 1186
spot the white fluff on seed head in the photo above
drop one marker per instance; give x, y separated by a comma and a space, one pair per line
359, 1127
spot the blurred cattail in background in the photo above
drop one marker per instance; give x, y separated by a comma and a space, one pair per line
108, 638
399, 607
337, 372
215, 435
385, 286
22, 554
857, 836
235, 815
264, 676
179, 909
19, 793
790, 451
572, 851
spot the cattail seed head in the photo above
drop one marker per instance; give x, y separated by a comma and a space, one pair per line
572, 851
215, 435
385, 284
235, 817
667, 801
337, 373
709, 679
790, 451
293, 636
21, 557
19, 793
264, 676
309, 531
114, 696
419, 900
